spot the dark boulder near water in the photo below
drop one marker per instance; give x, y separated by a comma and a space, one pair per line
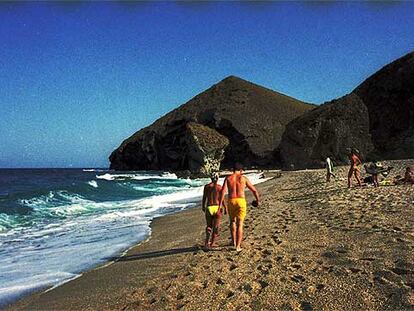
377, 118
205, 149
246, 120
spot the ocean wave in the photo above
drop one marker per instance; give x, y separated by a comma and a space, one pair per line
8, 222
53, 198
110, 177
93, 183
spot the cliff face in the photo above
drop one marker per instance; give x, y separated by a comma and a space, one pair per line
251, 117
328, 130
377, 118
389, 97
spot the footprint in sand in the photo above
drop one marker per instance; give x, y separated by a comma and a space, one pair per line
276, 239
354, 270
306, 306
262, 285
230, 294
320, 286
232, 267
266, 253
297, 278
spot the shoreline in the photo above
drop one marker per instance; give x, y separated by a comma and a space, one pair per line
137, 247
104, 261
309, 245
155, 240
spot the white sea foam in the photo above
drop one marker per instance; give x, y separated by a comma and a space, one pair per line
93, 170
108, 176
93, 183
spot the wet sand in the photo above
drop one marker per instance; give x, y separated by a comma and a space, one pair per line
309, 246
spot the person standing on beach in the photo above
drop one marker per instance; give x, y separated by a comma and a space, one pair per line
212, 210
355, 167
329, 169
236, 184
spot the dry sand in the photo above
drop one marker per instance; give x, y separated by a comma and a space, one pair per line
309, 246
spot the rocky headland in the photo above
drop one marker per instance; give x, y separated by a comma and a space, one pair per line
238, 121
244, 119
377, 118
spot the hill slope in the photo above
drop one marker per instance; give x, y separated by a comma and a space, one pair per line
377, 118
253, 118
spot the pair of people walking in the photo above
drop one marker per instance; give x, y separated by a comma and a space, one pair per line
214, 206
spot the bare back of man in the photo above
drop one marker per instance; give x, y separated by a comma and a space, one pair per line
236, 184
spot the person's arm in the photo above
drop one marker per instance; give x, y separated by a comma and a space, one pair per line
203, 204
252, 189
225, 207
359, 162
223, 192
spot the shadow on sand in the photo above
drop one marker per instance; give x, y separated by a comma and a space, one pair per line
163, 253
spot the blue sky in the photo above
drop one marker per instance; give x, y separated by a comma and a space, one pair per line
78, 78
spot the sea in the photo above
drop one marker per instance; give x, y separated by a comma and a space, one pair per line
57, 223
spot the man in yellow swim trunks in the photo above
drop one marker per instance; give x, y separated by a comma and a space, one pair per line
236, 184
213, 212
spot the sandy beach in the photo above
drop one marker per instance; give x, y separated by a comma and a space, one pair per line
309, 246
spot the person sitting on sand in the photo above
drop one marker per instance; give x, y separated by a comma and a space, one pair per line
213, 212
236, 184
408, 177
329, 169
355, 167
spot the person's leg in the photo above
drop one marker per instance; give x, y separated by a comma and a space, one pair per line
233, 230
209, 221
357, 174
216, 227
328, 176
239, 236
351, 171
376, 183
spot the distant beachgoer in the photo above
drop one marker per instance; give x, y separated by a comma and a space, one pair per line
373, 169
213, 213
236, 184
408, 177
355, 167
329, 169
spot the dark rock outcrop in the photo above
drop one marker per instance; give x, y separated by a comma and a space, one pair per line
328, 130
205, 149
377, 118
389, 97
252, 118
